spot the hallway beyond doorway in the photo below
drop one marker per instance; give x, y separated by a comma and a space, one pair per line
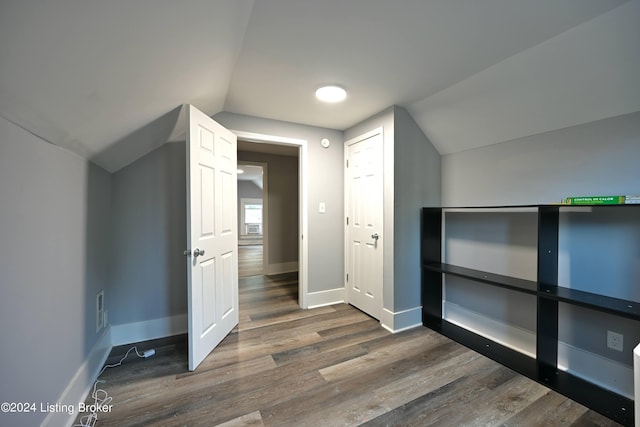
250, 260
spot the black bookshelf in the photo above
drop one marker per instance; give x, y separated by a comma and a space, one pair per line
544, 367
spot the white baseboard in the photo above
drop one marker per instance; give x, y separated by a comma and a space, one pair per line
281, 268
400, 321
81, 384
597, 369
592, 367
323, 298
129, 333
511, 336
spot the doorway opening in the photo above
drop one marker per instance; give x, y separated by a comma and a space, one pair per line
288, 219
252, 194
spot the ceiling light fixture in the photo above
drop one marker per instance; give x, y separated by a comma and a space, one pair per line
239, 171
331, 93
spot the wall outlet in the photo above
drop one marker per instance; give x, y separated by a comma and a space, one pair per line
615, 340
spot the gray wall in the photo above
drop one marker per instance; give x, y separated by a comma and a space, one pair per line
248, 190
598, 158
326, 181
149, 232
416, 184
411, 181
282, 204
54, 258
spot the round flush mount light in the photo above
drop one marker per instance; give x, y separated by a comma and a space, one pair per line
239, 171
331, 93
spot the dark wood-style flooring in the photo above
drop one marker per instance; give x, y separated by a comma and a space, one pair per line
330, 366
250, 260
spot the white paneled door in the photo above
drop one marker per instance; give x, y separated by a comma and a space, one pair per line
212, 238
364, 206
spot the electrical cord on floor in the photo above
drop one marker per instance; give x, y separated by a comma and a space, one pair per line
122, 360
100, 396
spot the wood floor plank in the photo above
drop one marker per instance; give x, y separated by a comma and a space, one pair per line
284, 318
252, 419
192, 382
273, 332
379, 357
551, 410
250, 260
331, 344
366, 324
351, 401
227, 355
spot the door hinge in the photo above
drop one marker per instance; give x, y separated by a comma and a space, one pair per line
347, 278
347, 220
347, 162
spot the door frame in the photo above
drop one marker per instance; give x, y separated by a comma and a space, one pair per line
303, 211
265, 208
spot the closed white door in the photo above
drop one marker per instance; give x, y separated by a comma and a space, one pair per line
364, 206
212, 238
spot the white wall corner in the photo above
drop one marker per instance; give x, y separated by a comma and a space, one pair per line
129, 333
323, 298
81, 384
401, 320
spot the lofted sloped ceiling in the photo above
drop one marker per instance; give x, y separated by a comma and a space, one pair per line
104, 79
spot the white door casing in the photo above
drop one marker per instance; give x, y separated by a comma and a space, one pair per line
212, 237
364, 206
303, 211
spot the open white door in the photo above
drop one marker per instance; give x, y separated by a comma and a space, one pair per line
364, 210
212, 238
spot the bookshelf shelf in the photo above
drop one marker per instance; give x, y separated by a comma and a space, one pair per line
615, 306
493, 279
564, 239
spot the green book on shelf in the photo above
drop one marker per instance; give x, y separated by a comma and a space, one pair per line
601, 200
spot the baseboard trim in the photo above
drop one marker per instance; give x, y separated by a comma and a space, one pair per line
324, 298
81, 384
129, 333
400, 321
609, 374
281, 268
511, 336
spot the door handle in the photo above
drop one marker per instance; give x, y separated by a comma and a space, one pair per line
375, 237
198, 252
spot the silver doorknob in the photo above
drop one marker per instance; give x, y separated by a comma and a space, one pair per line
375, 236
198, 252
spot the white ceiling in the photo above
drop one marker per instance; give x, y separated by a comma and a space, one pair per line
251, 173
98, 77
